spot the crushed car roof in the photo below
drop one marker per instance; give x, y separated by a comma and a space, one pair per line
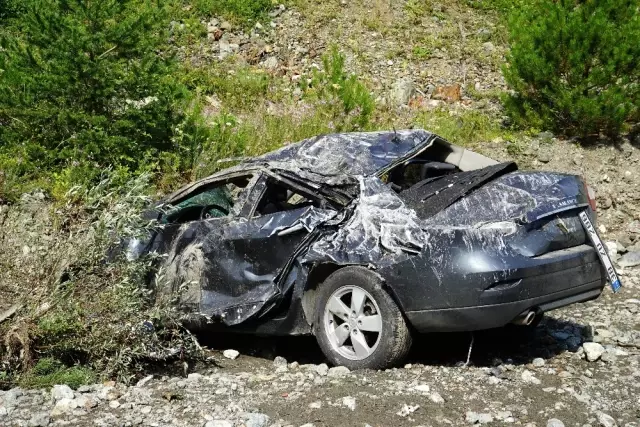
356, 153
338, 159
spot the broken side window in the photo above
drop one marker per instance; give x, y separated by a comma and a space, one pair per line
279, 197
214, 201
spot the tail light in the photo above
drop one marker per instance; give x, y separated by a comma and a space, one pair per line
591, 195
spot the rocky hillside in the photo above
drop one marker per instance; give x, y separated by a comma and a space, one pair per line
428, 64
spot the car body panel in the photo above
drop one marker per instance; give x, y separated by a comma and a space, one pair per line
503, 238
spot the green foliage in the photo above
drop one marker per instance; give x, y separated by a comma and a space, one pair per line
238, 89
49, 372
86, 85
465, 128
10, 9
498, 5
334, 84
94, 316
574, 65
241, 11
421, 52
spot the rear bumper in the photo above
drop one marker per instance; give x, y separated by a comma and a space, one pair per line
541, 290
497, 315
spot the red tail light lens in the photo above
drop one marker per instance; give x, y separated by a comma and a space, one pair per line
591, 196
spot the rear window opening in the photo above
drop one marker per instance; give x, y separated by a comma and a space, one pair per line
407, 175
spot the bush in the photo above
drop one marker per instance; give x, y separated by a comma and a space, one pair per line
574, 65
334, 85
86, 316
10, 9
85, 85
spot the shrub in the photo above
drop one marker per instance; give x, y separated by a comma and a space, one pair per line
86, 85
84, 315
10, 9
574, 65
333, 84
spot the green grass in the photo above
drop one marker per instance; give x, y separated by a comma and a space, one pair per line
239, 88
466, 129
49, 372
242, 12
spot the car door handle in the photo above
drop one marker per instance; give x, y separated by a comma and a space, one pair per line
291, 230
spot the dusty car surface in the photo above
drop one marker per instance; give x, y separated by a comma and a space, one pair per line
366, 239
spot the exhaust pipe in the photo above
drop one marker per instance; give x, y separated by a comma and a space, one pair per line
525, 318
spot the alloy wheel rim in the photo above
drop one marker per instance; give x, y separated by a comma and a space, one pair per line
353, 322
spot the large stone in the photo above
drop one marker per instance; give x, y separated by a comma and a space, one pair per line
630, 259
422, 388
338, 371
349, 402
194, 376
436, 397
59, 392
219, 423
231, 354
40, 419
321, 369
528, 377
227, 48
144, 381
64, 406
11, 397
401, 91
280, 361
593, 351
478, 418
449, 94
554, 422
606, 420
271, 63
256, 420
488, 47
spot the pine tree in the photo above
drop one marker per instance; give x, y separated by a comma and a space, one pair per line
87, 82
574, 65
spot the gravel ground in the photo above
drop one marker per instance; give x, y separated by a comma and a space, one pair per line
579, 367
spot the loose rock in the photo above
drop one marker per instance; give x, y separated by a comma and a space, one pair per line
606, 420
401, 91
554, 422
593, 351
478, 418
338, 371
59, 392
231, 354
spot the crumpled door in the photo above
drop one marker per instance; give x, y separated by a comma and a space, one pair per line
226, 268
245, 263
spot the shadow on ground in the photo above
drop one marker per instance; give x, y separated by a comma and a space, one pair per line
517, 345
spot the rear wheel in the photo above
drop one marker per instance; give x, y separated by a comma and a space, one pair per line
357, 323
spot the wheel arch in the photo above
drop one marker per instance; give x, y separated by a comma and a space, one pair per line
320, 272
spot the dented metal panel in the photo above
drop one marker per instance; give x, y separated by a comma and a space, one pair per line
467, 229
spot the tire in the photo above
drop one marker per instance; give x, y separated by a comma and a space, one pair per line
368, 342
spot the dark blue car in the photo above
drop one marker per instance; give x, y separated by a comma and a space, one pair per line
364, 239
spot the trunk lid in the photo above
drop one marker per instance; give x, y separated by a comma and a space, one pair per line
538, 210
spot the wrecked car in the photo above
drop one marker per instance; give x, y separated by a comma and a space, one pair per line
366, 239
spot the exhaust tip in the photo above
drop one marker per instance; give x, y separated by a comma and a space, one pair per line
525, 318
